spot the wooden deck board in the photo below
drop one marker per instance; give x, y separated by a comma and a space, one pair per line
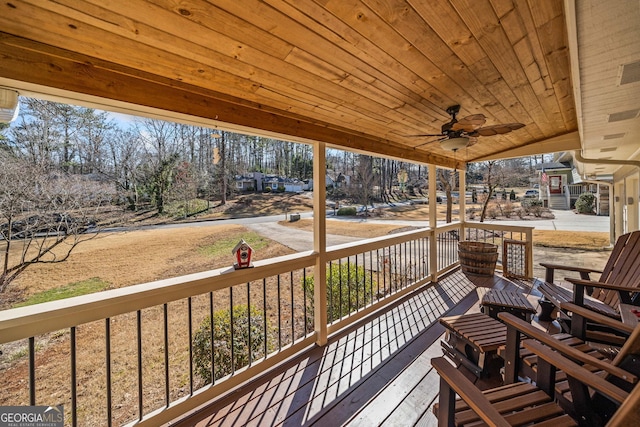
378, 372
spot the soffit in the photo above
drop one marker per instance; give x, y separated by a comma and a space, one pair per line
360, 74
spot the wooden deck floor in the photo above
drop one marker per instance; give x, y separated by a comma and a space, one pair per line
377, 373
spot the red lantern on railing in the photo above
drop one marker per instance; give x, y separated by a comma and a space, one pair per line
242, 252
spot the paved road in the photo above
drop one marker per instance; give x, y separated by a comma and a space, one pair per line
298, 240
564, 220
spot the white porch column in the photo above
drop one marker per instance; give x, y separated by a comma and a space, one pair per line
433, 224
320, 242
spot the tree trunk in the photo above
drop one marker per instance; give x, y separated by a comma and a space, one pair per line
223, 167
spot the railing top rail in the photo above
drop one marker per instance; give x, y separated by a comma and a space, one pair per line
494, 226
25, 322
344, 250
449, 226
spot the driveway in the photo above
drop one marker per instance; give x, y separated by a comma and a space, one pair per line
298, 240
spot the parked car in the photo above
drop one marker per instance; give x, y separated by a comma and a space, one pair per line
531, 194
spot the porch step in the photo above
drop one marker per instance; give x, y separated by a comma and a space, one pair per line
558, 202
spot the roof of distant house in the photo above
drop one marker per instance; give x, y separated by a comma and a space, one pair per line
553, 165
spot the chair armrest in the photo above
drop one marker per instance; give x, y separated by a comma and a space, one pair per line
601, 285
532, 332
477, 401
597, 317
551, 268
576, 371
579, 287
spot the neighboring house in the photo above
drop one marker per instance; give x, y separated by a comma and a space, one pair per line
293, 186
245, 183
272, 182
561, 185
337, 180
249, 182
343, 180
554, 178
256, 181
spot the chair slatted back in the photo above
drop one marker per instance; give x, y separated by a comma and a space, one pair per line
622, 268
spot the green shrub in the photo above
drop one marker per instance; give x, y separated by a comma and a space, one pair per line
280, 189
347, 211
349, 288
512, 196
533, 206
586, 203
222, 341
267, 189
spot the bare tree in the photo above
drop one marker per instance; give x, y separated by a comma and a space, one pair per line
36, 136
122, 165
185, 187
492, 179
162, 156
365, 179
221, 168
446, 181
45, 214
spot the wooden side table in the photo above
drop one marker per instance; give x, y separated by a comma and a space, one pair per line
473, 341
496, 300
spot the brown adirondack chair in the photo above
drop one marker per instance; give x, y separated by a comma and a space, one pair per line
623, 370
527, 404
619, 282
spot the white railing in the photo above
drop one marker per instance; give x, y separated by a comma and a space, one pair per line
576, 189
146, 354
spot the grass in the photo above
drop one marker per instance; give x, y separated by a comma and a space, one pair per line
224, 246
585, 240
134, 257
74, 289
177, 209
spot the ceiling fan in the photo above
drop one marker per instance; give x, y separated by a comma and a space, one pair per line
462, 133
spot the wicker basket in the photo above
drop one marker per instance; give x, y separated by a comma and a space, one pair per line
477, 258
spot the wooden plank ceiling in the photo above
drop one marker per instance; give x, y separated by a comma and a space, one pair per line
360, 74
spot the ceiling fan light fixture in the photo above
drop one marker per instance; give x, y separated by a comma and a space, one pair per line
454, 144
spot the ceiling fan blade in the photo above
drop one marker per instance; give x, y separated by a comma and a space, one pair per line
469, 123
472, 140
430, 142
496, 129
425, 134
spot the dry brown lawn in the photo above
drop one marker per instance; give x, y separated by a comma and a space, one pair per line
419, 212
261, 204
133, 257
587, 240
